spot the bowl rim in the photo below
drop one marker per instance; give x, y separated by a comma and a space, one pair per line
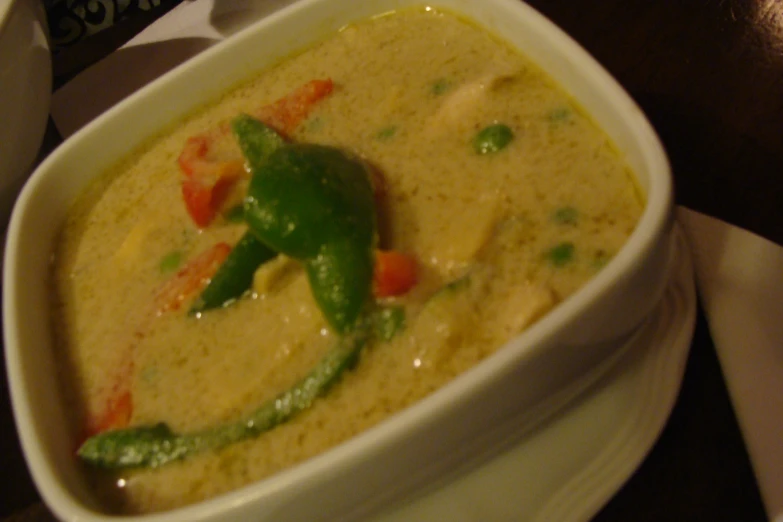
654, 221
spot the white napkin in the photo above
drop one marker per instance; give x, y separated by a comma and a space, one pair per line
740, 280
739, 275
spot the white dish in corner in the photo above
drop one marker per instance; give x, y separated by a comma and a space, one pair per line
25, 93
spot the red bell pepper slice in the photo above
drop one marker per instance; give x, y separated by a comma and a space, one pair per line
205, 180
191, 279
288, 112
395, 273
116, 414
185, 284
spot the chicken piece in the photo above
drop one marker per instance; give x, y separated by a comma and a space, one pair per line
459, 242
441, 327
523, 306
128, 254
459, 107
448, 318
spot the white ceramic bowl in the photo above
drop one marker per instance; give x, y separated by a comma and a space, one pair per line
423, 443
25, 92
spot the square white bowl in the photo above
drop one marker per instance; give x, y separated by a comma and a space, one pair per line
427, 441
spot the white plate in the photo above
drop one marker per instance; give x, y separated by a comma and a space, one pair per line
566, 469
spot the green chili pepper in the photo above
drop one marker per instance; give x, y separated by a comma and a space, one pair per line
235, 214
388, 322
235, 275
340, 279
315, 204
156, 445
492, 138
312, 203
256, 139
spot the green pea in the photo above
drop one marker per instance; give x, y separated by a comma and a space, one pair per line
170, 262
566, 216
441, 86
149, 374
493, 138
561, 254
386, 133
560, 114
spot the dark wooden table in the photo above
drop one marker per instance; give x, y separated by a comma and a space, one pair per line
709, 74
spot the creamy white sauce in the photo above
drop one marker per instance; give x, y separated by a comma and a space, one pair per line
412, 89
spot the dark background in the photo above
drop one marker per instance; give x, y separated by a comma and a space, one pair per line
709, 75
